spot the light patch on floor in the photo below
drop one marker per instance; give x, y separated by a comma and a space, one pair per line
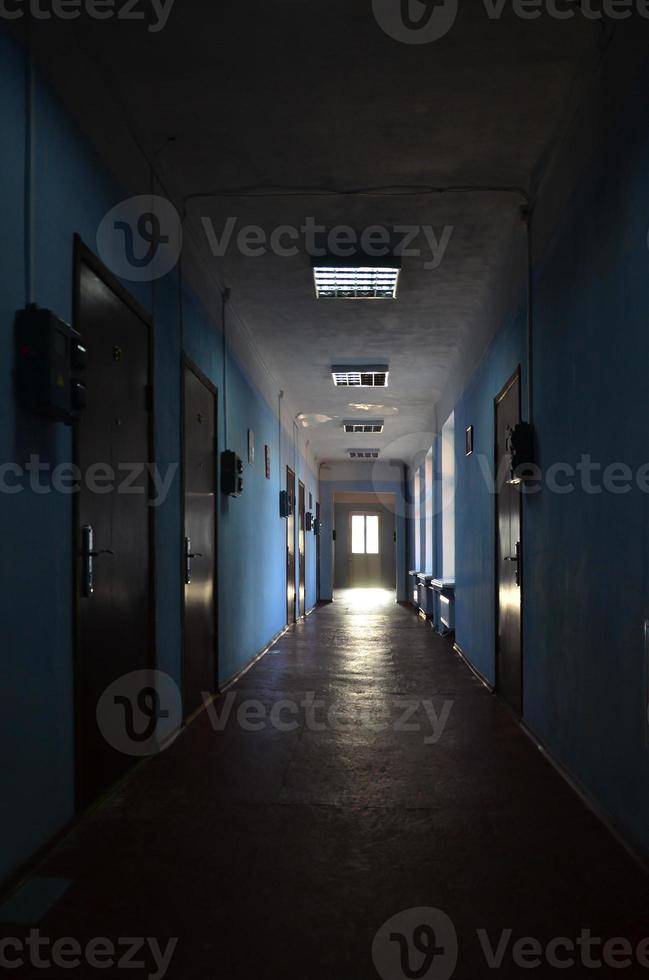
364, 600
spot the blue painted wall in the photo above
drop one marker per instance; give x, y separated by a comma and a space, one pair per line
474, 499
585, 554
72, 193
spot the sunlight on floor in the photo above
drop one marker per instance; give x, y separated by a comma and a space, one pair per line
365, 600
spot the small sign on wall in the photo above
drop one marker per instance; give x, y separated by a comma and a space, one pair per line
251, 447
267, 459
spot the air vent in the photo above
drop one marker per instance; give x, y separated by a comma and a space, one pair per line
361, 282
363, 453
361, 376
364, 425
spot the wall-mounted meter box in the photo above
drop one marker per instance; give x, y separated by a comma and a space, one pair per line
231, 473
50, 365
284, 504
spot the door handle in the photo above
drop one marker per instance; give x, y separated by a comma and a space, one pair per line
516, 558
88, 555
189, 554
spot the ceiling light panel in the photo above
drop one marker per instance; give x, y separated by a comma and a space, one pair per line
361, 376
362, 282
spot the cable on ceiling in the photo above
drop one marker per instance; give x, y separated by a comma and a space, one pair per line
387, 190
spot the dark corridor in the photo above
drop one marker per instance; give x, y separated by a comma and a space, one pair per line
279, 852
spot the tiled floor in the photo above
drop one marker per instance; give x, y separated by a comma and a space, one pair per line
279, 852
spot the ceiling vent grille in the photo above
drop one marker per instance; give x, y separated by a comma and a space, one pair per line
362, 376
364, 425
363, 453
361, 282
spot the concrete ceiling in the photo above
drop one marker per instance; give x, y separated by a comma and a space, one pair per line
294, 94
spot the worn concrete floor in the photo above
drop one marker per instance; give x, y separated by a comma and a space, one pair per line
278, 853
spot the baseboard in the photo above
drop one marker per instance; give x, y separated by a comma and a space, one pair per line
474, 670
572, 781
251, 663
604, 817
28, 867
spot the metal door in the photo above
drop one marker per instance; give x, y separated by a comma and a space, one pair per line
301, 546
113, 525
508, 555
291, 597
199, 538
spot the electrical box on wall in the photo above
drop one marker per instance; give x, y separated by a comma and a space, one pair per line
284, 504
50, 365
308, 520
520, 450
231, 473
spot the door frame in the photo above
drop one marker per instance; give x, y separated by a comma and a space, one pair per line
82, 255
515, 377
317, 553
365, 554
290, 480
186, 363
301, 533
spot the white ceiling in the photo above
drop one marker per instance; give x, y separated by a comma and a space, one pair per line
293, 94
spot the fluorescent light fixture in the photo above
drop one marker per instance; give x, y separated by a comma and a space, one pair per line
363, 425
360, 376
363, 453
340, 281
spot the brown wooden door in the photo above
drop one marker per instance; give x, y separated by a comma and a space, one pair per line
301, 545
291, 596
199, 539
114, 602
508, 555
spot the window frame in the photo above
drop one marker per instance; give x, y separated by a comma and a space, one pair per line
365, 552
